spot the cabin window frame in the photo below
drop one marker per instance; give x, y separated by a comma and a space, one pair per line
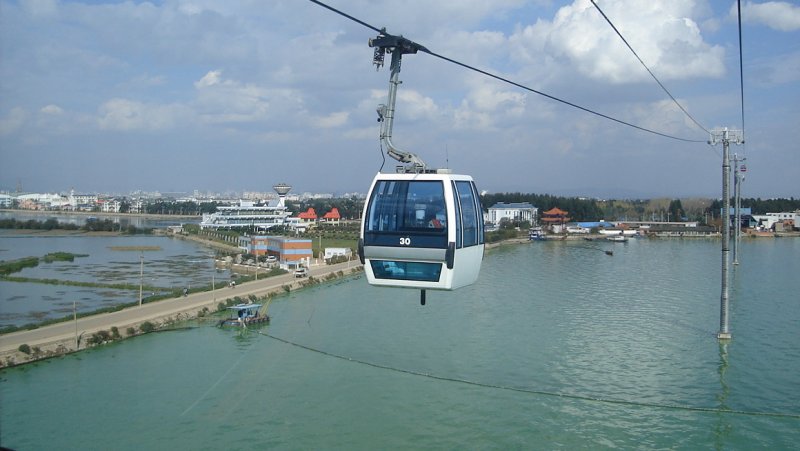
393, 209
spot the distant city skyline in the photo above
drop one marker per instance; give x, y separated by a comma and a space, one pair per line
176, 95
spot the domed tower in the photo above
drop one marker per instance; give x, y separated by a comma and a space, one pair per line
282, 189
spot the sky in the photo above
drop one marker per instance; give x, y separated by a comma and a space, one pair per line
179, 95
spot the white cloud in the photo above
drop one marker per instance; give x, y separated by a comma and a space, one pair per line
491, 99
210, 79
781, 16
663, 34
41, 7
52, 109
416, 106
222, 100
127, 115
332, 120
13, 121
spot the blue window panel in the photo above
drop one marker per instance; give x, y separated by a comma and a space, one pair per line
297, 252
397, 270
469, 212
459, 220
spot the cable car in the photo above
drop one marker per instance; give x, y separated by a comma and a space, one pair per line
422, 231
421, 228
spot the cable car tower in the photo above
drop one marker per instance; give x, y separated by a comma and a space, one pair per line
421, 228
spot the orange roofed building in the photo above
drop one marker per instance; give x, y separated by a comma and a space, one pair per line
308, 216
332, 216
556, 218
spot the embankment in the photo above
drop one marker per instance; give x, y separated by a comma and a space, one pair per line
62, 338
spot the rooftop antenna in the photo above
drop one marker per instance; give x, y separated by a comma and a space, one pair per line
397, 46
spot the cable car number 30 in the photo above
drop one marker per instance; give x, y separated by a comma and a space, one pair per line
405, 241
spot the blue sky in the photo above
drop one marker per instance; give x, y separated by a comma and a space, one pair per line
239, 95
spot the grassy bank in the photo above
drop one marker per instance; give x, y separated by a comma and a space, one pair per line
12, 266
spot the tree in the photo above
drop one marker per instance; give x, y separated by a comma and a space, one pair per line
675, 209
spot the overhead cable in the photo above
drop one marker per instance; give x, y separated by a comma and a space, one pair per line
521, 86
534, 391
741, 70
648, 69
565, 102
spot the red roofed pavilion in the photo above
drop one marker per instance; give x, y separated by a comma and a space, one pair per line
555, 216
308, 215
333, 215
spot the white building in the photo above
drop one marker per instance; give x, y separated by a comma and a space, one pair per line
515, 211
331, 252
6, 201
110, 205
768, 221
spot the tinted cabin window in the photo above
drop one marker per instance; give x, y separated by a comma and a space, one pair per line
459, 220
401, 270
470, 214
407, 214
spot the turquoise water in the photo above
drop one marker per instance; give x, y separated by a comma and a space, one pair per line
558, 346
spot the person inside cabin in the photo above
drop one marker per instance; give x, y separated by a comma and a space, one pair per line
437, 220
435, 223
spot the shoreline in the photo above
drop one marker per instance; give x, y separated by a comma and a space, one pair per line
72, 336
98, 213
59, 339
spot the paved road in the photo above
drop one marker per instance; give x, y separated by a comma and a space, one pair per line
65, 332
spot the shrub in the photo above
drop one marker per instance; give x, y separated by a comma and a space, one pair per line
24, 348
130, 331
115, 333
147, 327
221, 306
99, 337
287, 288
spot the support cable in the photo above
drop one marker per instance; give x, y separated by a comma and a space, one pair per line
648, 69
521, 86
741, 69
565, 102
529, 391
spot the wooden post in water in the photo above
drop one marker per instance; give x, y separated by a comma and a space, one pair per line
141, 276
213, 276
75, 318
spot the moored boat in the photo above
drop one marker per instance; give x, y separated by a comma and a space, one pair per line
243, 315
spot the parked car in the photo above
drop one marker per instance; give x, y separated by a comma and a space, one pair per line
301, 272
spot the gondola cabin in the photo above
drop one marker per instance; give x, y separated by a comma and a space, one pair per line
422, 230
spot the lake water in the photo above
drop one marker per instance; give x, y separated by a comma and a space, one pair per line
124, 221
557, 346
174, 265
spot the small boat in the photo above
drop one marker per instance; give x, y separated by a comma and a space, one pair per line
536, 235
243, 315
617, 238
624, 232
